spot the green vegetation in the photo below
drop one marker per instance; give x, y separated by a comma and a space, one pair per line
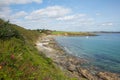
45, 31
20, 60
8, 32
63, 33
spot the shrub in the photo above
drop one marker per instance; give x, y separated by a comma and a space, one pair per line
7, 32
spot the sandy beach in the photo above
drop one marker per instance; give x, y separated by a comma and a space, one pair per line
71, 64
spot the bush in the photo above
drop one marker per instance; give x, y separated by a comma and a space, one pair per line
7, 32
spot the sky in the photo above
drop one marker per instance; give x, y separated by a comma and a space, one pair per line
63, 15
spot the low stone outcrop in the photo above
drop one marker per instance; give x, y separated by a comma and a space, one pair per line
86, 73
108, 76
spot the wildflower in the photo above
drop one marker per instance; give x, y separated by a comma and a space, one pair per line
12, 56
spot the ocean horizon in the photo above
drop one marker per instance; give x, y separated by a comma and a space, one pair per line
101, 51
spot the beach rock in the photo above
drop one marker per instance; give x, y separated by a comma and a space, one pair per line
76, 60
71, 68
85, 73
108, 76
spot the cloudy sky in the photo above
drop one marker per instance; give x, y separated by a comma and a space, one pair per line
65, 15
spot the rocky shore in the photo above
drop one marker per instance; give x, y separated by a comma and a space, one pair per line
70, 64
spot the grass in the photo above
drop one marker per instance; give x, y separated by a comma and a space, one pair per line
64, 33
20, 60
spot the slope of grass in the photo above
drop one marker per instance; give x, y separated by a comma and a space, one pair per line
20, 60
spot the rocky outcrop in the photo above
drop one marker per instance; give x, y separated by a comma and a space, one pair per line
71, 67
108, 76
85, 73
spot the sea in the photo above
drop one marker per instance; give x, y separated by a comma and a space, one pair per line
102, 51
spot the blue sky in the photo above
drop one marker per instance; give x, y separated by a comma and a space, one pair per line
65, 15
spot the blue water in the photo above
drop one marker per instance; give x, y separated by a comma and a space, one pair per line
102, 51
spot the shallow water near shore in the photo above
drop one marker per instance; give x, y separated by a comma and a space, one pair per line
102, 51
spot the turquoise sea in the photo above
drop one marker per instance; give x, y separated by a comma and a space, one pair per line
102, 51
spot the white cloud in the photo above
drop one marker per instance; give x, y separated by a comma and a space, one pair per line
49, 12
107, 24
8, 2
98, 14
80, 20
72, 17
54, 17
4, 12
66, 17
19, 14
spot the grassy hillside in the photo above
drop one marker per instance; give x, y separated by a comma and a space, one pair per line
20, 60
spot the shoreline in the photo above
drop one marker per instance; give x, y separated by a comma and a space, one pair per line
70, 64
